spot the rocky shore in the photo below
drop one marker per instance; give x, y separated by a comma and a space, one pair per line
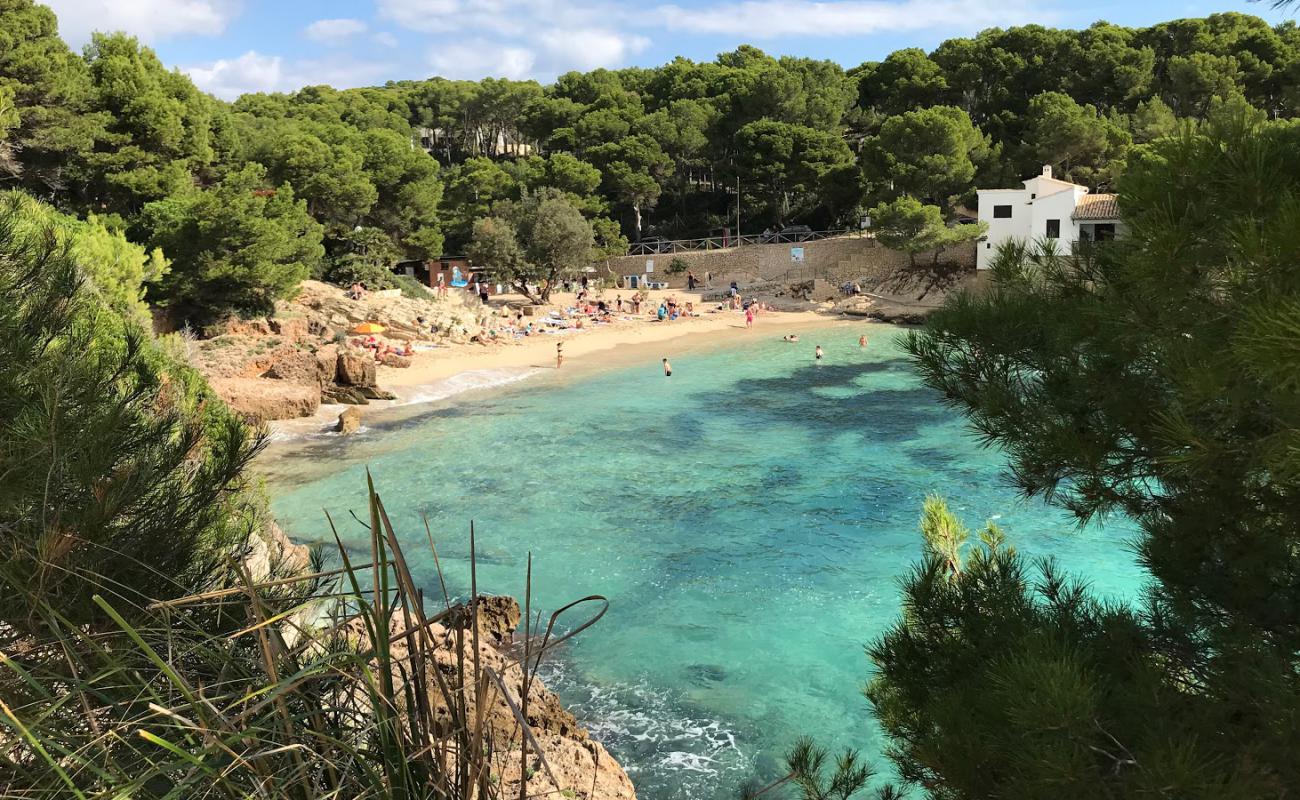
285, 366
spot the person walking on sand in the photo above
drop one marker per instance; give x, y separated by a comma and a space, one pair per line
817, 353
862, 340
668, 369
749, 317
559, 354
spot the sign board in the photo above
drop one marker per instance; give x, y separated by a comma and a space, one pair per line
796, 255
649, 265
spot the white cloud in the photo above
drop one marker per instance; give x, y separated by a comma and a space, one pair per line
385, 39
770, 19
150, 20
589, 48
481, 59
229, 78
334, 31
257, 72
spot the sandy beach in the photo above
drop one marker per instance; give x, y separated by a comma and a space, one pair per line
595, 343
442, 372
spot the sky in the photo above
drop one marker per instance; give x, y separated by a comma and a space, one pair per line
230, 47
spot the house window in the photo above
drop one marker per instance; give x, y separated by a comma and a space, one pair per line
1053, 229
1001, 212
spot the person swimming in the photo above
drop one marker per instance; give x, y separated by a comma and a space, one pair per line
790, 337
818, 353
668, 369
862, 340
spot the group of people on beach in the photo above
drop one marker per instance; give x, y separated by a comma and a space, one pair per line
380, 349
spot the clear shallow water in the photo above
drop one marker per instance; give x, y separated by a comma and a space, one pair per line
748, 520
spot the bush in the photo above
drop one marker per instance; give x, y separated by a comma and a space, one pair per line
412, 288
677, 266
350, 269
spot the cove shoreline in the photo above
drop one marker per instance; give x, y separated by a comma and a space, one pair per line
440, 376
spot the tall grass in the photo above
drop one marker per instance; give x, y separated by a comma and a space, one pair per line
334, 686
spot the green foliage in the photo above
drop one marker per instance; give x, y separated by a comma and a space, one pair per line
538, 243
785, 165
1075, 139
1154, 377
238, 246
305, 682
366, 256
907, 225
117, 268
932, 154
108, 447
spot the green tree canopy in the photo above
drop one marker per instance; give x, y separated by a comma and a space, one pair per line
238, 246
1156, 378
122, 472
932, 154
1081, 144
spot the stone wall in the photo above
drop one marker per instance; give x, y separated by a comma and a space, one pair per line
841, 259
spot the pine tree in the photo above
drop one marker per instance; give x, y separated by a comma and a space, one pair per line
1157, 377
120, 471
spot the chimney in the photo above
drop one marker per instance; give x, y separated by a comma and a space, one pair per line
1047, 170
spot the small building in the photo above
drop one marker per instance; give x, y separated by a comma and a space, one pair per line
1045, 208
455, 270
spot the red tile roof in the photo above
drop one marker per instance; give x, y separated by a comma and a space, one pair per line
1097, 206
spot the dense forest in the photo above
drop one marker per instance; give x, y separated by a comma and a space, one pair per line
247, 198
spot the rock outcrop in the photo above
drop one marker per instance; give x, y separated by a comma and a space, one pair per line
259, 401
574, 765
354, 369
349, 421
296, 366
308, 343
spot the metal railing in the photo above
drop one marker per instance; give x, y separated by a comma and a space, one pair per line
654, 247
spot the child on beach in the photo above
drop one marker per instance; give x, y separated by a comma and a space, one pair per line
749, 317
559, 354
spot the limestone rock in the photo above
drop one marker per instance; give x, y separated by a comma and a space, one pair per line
349, 421
327, 357
258, 401
349, 395
292, 328
296, 366
355, 369
395, 360
375, 393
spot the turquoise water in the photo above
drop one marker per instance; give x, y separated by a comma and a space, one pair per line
748, 519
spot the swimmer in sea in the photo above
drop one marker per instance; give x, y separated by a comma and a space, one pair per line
862, 341
668, 369
818, 353
790, 337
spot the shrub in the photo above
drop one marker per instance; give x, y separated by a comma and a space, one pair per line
109, 448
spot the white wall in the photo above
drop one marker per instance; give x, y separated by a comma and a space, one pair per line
1001, 229
1031, 207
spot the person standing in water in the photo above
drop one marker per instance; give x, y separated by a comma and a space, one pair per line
862, 340
668, 369
559, 354
818, 353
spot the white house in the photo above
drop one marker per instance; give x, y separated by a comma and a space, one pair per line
1045, 207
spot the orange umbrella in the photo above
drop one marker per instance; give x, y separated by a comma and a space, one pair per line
369, 327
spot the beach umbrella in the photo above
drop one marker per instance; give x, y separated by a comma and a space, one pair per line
369, 327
